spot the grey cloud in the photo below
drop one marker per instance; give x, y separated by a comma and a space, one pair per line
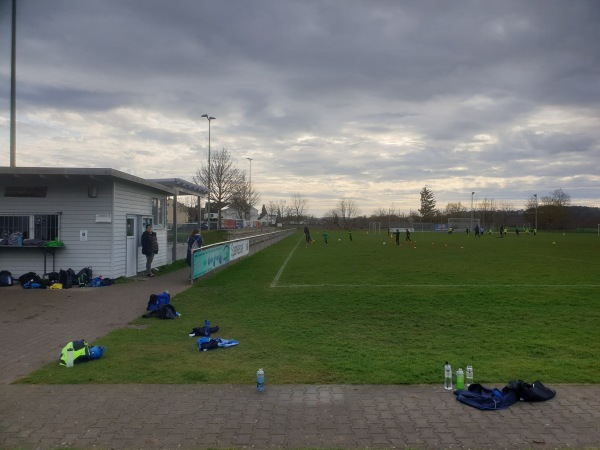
328, 97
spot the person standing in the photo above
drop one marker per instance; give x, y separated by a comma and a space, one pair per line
307, 235
407, 236
149, 247
325, 237
350, 234
193, 242
397, 236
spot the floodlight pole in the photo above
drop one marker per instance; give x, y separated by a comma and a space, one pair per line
250, 191
209, 118
472, 194
536, 206
13, 88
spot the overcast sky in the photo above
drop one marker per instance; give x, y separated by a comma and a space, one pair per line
367, 100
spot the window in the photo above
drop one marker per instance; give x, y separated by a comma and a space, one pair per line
158, 211
45, 227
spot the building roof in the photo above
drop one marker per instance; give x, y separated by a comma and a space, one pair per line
182, 187
169, 186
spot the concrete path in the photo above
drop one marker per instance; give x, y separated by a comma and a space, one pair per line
35, 325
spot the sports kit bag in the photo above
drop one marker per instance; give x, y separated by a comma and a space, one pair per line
534, 392
6, 278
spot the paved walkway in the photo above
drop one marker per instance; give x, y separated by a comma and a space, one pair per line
35, 324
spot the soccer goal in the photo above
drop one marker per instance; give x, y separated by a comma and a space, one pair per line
374, 228
462, 223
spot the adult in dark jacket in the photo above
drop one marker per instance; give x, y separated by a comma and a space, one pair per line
149, 248
193, 242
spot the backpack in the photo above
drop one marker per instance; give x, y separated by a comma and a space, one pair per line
84, 276
53, 277
158, 299
67, 278
534, 392
6, 278
164, 311
106, 281
30, 276
81, 352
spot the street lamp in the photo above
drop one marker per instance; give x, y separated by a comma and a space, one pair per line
472, 194
536, 206
209, 118
250, 190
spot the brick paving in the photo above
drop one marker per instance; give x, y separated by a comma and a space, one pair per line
35, 324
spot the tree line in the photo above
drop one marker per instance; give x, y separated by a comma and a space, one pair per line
229, 187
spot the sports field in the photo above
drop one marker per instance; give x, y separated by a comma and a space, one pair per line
368, 311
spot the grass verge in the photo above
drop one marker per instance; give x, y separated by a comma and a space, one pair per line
365, 312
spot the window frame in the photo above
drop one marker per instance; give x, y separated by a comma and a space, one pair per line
32, 221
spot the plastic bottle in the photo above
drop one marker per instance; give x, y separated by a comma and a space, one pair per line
447, 376
207, 328
69, 361
460, 379
260, 380
469, 377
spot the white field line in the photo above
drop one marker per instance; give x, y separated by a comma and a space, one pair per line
275, 285
280, 271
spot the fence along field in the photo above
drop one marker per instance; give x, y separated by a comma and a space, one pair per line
368, 311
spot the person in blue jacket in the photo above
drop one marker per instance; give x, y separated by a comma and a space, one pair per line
193, 242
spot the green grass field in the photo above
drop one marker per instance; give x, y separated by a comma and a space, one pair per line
365, 312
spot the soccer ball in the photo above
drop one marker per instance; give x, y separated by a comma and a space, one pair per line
339, 239
383, 242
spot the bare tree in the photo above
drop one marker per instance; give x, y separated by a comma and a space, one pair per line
298, 205
347, 210
503, 209
554, 208
272, 209
224, 179
455, 210
283, 210
243, 198
487, 207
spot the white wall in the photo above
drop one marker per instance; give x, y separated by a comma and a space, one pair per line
105, 247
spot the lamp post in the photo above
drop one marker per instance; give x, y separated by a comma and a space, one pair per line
536, 206
250, 190
13, 88
209, 118
472, 194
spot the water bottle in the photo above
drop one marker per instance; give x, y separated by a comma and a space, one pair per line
460, 379
207, 328
447, 376
469, 376
260, 380
69, 357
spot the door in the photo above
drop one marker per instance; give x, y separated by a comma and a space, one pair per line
132, 247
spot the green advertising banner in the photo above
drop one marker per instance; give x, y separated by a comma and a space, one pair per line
209, 259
